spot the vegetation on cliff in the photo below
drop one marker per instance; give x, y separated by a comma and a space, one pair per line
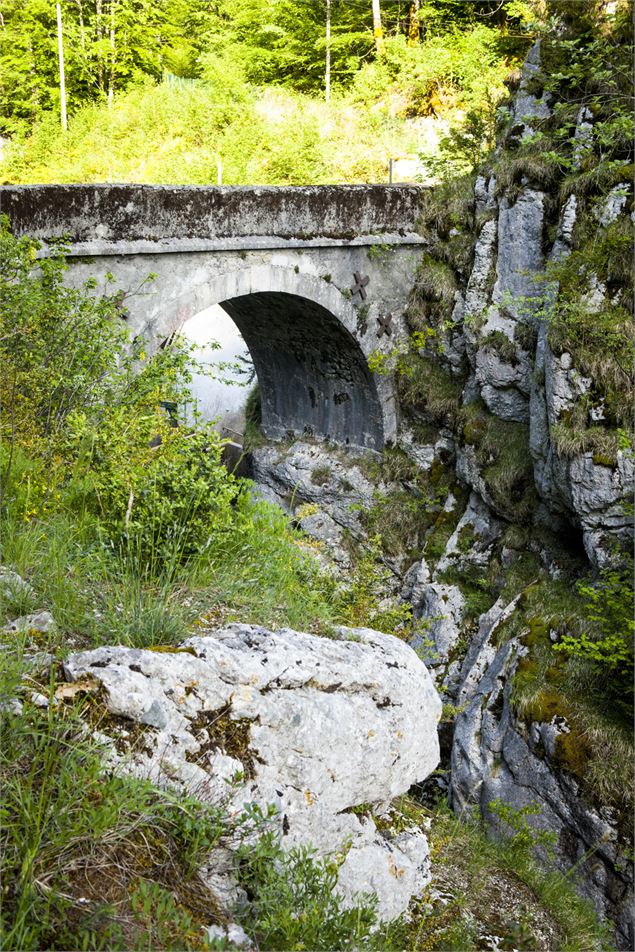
578, 636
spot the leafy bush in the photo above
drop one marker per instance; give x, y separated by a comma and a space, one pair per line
59, 346
162, 503
82, 395
295, 903
608, 642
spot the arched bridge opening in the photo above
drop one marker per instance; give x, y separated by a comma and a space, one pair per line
313, 376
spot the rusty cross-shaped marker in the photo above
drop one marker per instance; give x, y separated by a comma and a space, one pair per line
384, 325
360, 285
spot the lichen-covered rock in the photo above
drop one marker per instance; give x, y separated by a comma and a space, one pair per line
494, 757
477, 292
469, 471
485, 194
472, 540
443, 605
423, 455
520, 256
13, 585
527, 106
320, 488
613, 205
564, 385
41, 622
315, 726
308, 472
600, 497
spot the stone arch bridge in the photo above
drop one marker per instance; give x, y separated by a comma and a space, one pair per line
315, 278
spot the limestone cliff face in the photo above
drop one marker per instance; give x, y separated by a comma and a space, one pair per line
499, 324
521, 518
515, 391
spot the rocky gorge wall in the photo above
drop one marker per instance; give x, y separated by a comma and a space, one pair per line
507, 456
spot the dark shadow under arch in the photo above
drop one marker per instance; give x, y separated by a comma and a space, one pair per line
313, 375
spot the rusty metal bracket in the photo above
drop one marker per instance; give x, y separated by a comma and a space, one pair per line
385, 326
360, 285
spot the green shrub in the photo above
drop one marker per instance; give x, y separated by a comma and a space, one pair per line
58, 346
163, 504
608, 641
295, 903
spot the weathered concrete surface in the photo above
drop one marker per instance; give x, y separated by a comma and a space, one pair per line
158, 213
281, 261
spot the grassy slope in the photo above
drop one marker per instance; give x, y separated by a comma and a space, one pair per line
176, 135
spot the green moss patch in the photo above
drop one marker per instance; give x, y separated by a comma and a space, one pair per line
502, 452
426, 386
548, 684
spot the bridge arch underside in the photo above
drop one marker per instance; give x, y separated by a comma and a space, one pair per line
313, 376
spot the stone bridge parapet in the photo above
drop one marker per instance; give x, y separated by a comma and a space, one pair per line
102, 219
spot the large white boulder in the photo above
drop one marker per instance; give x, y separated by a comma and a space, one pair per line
315, 726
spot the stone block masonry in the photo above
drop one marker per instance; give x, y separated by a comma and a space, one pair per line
283, 262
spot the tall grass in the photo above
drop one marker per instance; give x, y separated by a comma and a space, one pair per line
263, 572
166, 134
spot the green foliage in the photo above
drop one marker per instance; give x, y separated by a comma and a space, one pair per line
267, 572
425, 385
75, 840
175, 91
163, 504
129, 527
170, 133
296, 904
600, 337
598, 749
81, 394
608, 641
524, 837
58, 346
363, 602
469, 142
403, 515
108, 45
253, 419
502, 452
473, 872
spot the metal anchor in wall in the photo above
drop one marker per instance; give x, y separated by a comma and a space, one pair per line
360, 285
385, 326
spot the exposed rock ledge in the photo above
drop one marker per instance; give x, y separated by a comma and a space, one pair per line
315, 726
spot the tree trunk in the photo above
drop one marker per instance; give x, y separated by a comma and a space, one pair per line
82, 37
413, 23
327, 75
111, 73
100, 58
378, 33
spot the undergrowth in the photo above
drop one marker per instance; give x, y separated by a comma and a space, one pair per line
485, 887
